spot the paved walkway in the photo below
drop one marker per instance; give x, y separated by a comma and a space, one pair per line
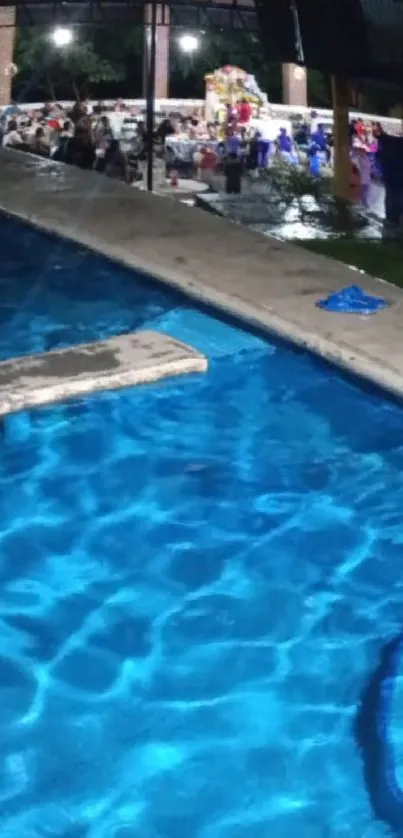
265, 281
265, 210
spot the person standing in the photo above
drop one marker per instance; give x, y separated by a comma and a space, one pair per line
363, 164
390, 161
83, 149
233, 173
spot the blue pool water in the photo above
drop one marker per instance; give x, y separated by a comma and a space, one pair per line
54, 294
196, 581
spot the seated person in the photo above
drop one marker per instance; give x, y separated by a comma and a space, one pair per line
116, 165
39, 144
61, 152
164, 130
12, 137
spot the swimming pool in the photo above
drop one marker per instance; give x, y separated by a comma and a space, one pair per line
196, 581
54, 294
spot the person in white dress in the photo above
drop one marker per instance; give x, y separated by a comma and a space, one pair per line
363, 164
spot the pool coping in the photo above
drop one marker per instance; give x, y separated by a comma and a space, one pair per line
195, 255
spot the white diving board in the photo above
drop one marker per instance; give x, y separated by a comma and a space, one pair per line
124, 361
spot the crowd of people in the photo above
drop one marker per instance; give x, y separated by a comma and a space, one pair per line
82, 135
89, 137
255, 144
364, 154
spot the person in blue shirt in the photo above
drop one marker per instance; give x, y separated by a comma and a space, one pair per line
320, 139
313, 160
9, 111
233, 145
286, 148
284, 142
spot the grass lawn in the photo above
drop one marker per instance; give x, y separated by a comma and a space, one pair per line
379, 258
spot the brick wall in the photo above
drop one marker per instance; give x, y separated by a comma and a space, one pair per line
7, 35
162, 51
162, 55
294, 85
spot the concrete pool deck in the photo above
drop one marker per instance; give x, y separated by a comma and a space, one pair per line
268, 283
124, 361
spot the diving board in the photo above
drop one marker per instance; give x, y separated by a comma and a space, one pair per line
124, 361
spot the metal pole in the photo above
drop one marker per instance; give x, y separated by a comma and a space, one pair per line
150, 106
297, 29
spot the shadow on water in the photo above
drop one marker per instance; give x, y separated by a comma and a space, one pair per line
371, 728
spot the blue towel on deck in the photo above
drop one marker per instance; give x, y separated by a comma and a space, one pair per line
352, 300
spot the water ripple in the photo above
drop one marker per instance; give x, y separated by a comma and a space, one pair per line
196, 580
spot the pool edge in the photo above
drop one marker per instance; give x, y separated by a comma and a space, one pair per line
339, 355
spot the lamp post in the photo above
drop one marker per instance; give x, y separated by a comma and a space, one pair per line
188, 43
62, 37
299, 47
151, 46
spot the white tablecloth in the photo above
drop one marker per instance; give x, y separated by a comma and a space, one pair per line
184, 149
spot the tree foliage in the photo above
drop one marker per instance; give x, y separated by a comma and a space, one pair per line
108, 61
71, 70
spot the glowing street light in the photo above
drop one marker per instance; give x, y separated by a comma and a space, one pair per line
189, 43
62, 37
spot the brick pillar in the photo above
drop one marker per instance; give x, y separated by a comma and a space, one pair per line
294, 85
7, 36
162, 52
